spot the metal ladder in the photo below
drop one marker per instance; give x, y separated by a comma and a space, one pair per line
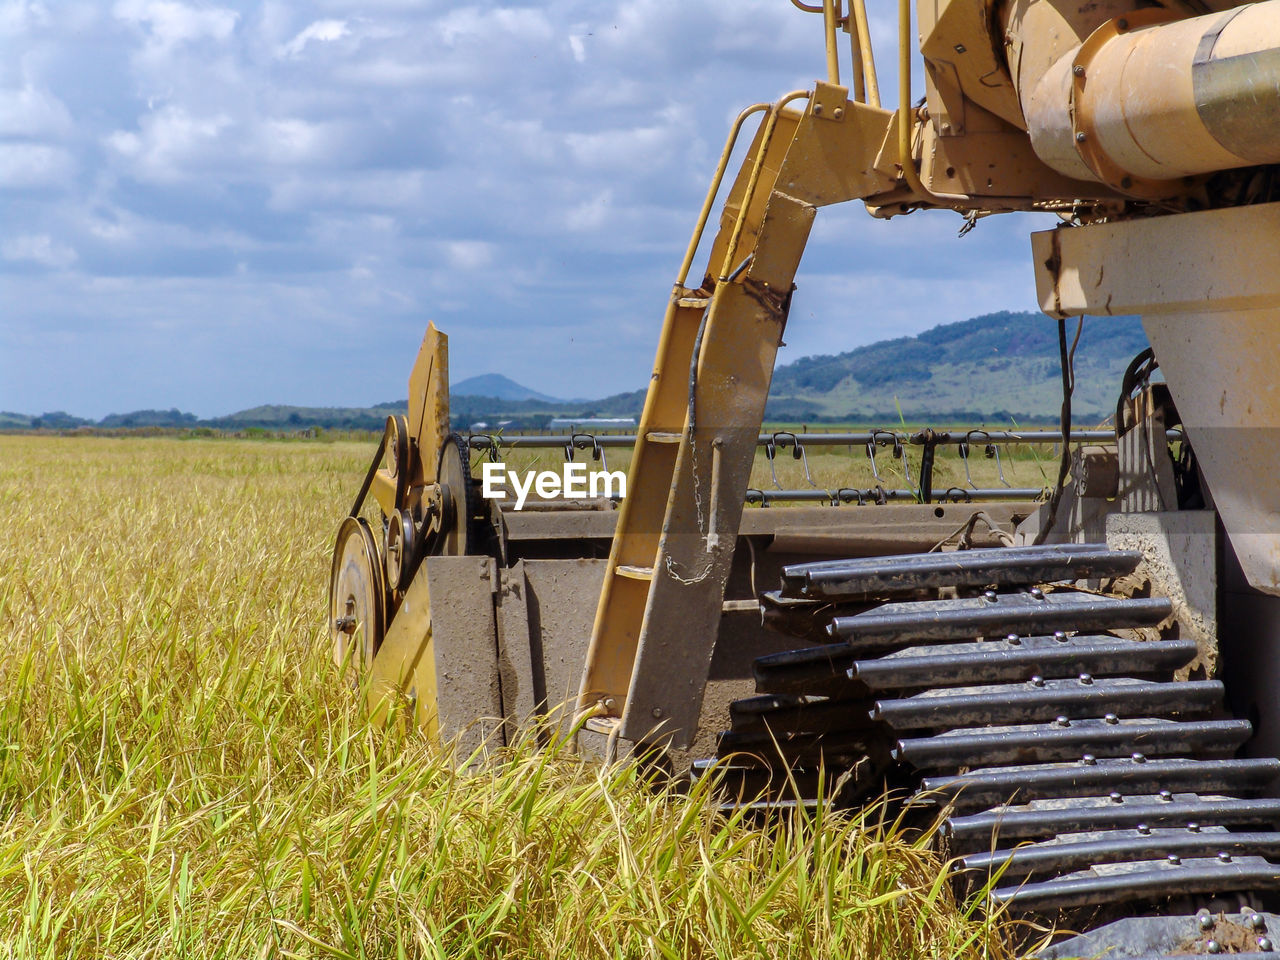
660, 605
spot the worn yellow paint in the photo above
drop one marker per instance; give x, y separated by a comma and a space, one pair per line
429, 401
681, 517
405, 663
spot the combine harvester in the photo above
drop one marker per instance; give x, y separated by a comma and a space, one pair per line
1086, 691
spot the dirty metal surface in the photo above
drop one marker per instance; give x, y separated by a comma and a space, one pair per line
1125, 781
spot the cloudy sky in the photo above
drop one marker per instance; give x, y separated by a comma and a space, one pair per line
212, 205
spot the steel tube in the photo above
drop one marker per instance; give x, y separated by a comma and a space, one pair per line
1141, 103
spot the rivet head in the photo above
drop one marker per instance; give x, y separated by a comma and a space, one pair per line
1089, 759
1174, 858
1257, 922
1193, 827
1080, 137
1062, 722
1078, 70
1166, 796
1265, 945
817, 109
990, 595
1139, 758
1111, 718
1122, 24
1213, 946
1086, 678
838, 113
1012, 638
1037, 593
1115, 797
1206, 921
1015, 640
1143, 828
1059, 636
1037, 681
657, 712
1224, 856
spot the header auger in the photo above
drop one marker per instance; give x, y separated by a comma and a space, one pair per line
1090, 680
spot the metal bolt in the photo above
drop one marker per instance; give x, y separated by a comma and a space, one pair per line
1174, 858
1265, 945
959, 48
1080, 137
1015, 640
1115, 797
990, 595
1143, 829
657, 712
1193, 827
1062, 722
1059, 636
1086, 678
1256, 921
1139, 758
817, 109
1122, 24
1089, 759
1213, 946
1111, 718
1224, 856
1078, 70
1166, 795
1037, 593
1206, 921
345, 624
838, 113
1037, 681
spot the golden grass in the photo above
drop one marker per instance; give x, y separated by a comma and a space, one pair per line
183, 774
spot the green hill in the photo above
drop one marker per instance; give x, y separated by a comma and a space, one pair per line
993, 366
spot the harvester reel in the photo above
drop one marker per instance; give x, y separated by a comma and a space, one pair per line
357, 596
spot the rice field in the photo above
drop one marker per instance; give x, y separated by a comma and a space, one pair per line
184, 774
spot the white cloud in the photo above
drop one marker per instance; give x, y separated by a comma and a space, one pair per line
171, 23
468, 254
324, 31
34, 165
38, 248
29, 112
172, 144
305, 167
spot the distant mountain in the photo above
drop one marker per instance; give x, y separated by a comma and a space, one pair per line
497, 386
996, 367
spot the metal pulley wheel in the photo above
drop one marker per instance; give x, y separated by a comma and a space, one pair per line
399, 454
460, 502
357, 596
401, 549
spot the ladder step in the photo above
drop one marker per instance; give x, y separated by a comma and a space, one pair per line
696, 303
632, 572
662, 436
